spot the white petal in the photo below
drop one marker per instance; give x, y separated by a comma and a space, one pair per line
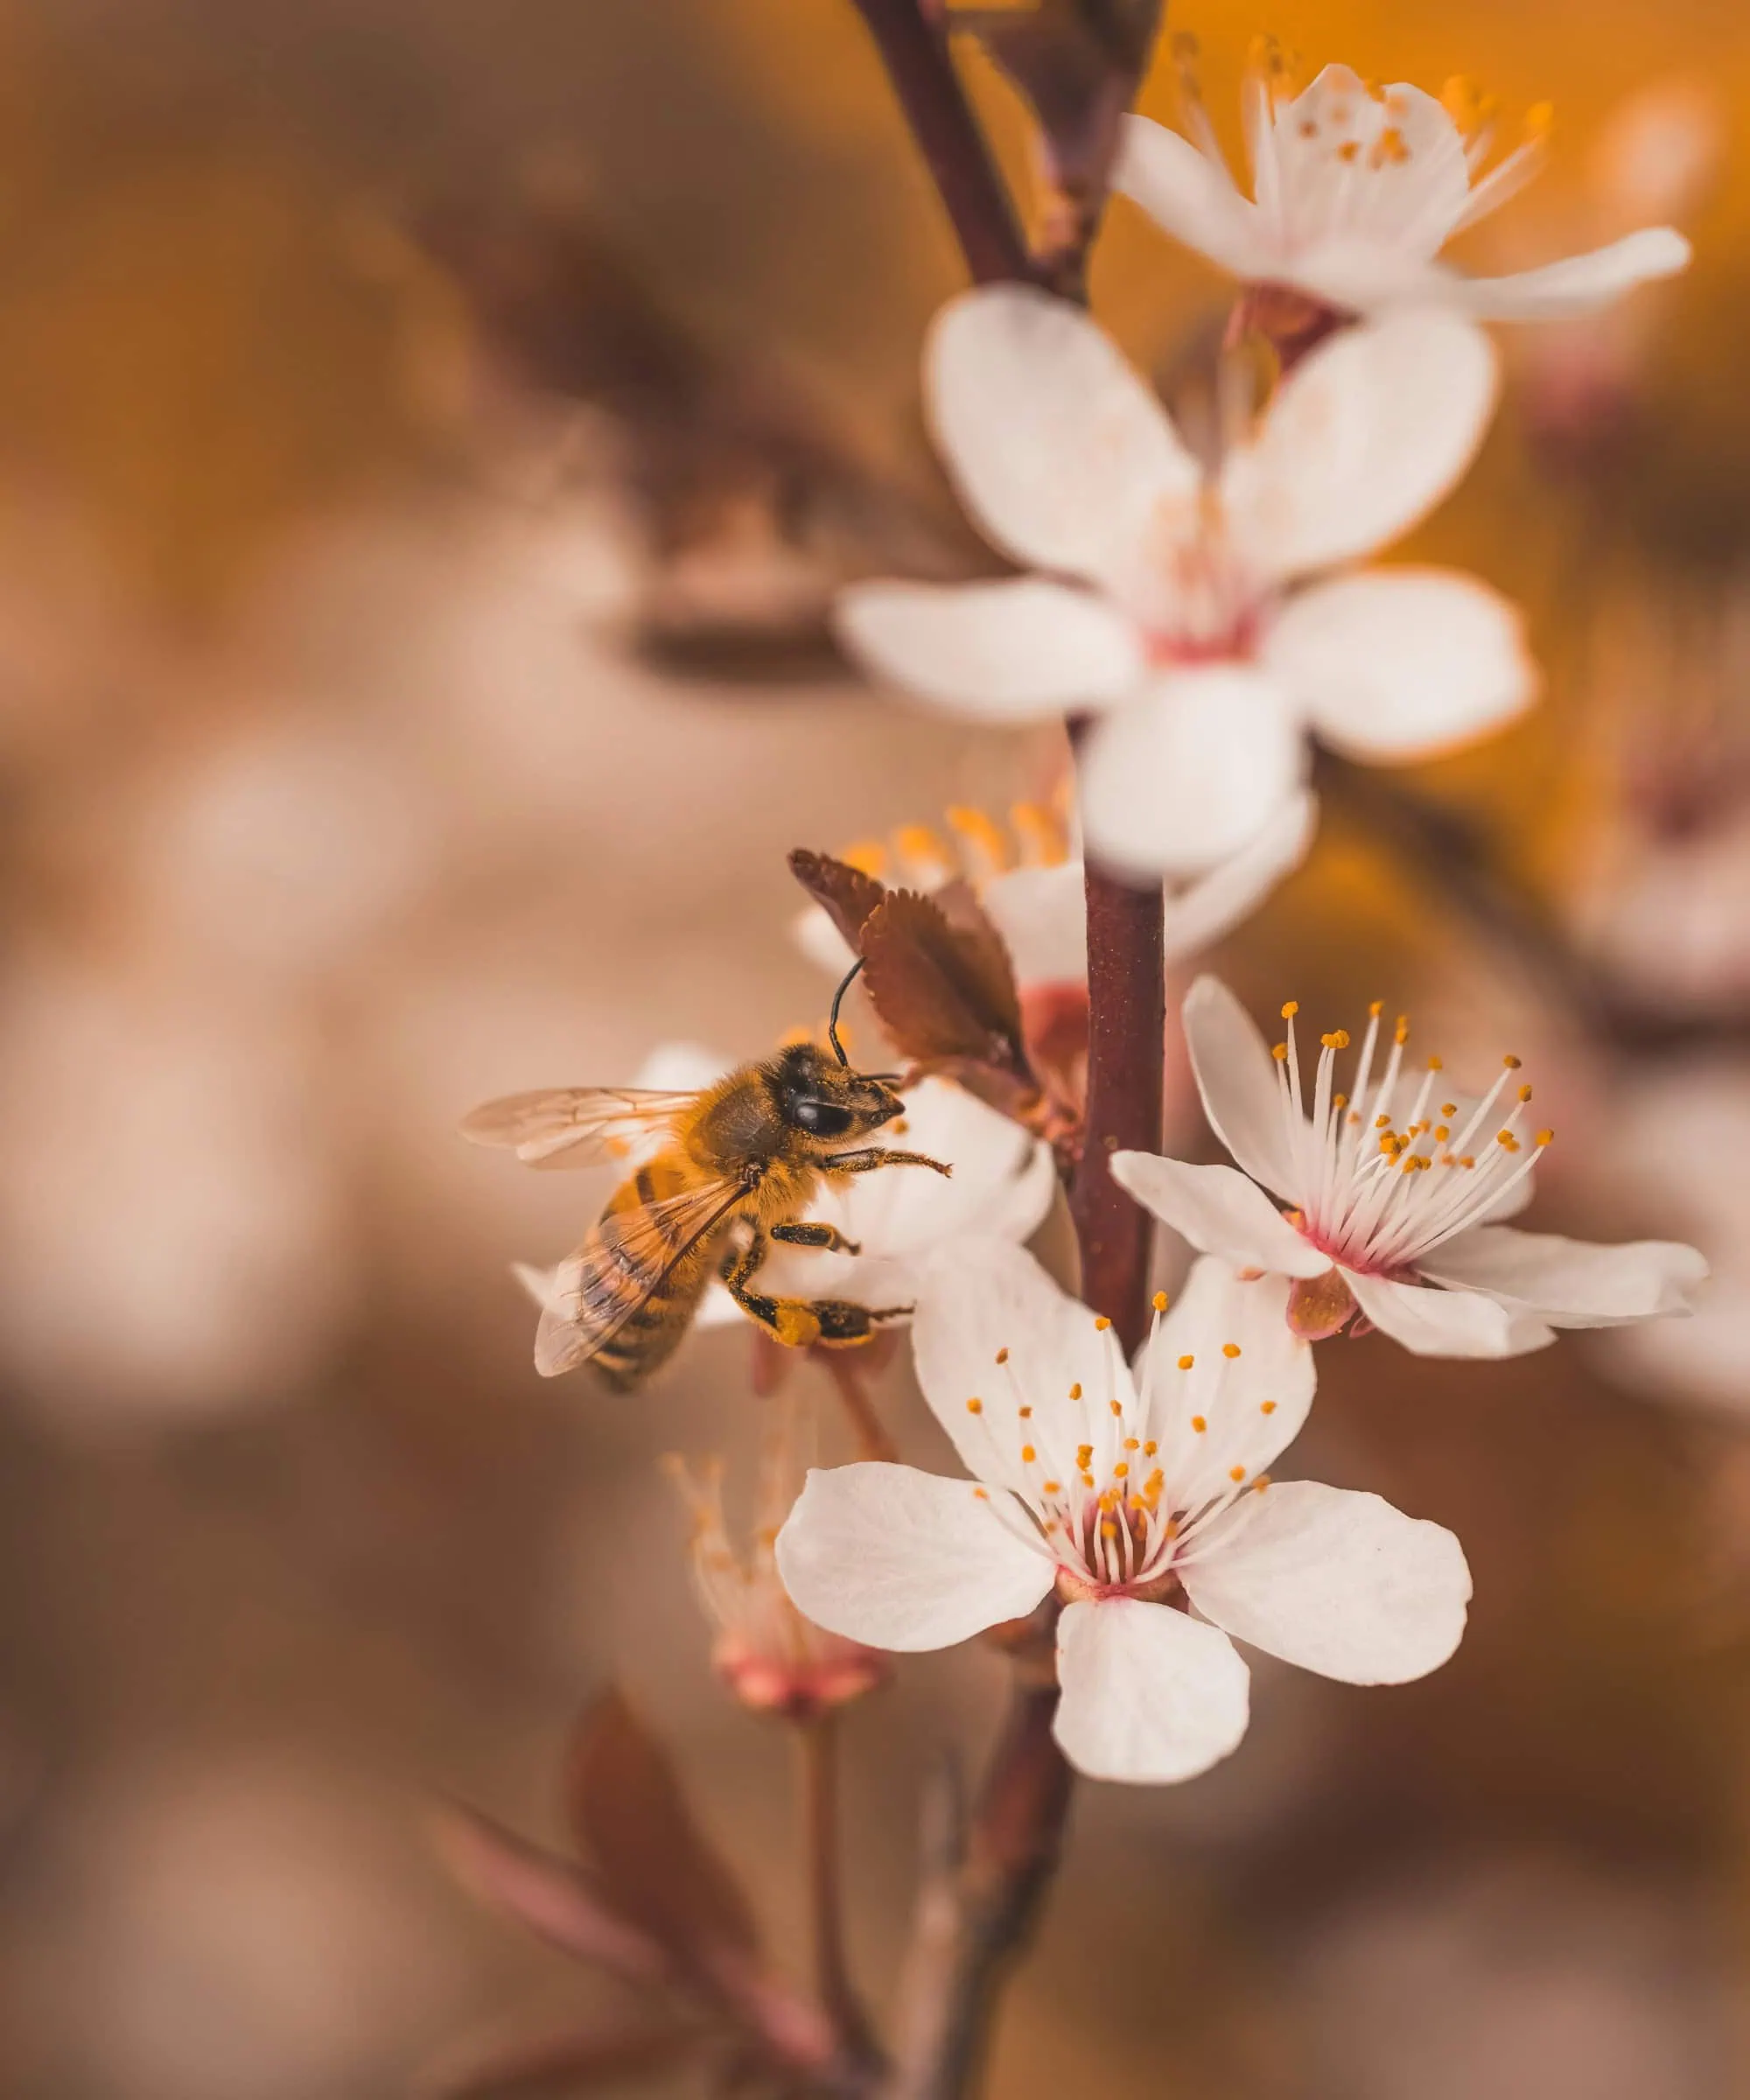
1331, 173
1191, 770
1368, 434
1199, 914
1009, 652
1337, 1582
1251, 1405
981, 1298
1042, 915
1402, 663
813, 931
1150, 1694
897, 1558
1237, 1077
1058, 450
1580, 284
1573, 1283
1220, 1211
1190, 196
1431, 1322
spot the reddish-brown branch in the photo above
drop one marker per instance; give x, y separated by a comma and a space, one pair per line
914, 51
817, 1755
1126, 1015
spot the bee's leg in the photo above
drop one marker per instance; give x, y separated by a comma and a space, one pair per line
797, 1322
796, 1234
874, 1157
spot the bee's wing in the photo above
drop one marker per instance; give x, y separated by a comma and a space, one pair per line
593, 1295
571, 1126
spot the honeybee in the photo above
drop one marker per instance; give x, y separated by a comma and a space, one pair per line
734, 1165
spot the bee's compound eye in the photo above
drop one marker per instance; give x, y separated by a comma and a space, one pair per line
823, 1118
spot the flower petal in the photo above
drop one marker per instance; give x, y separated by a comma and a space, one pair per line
1215, 903
1008, 652
1431, 1322
899, 1558
1058, 448
1573, 1283
1251, 1405
991, 1326
1190, 196
1336, 1582
1331, 170
1150, 1694
1366, 435
1237, 1077
1189, 771
1578, 283
1402, 663
1220, 1211
1042, 915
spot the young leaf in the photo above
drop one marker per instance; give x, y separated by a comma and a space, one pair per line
659, 1867
943, 992
844, 893
550, 1897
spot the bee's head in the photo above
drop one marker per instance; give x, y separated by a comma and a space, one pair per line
823, 1099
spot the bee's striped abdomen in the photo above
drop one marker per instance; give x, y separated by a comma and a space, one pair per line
643, 1270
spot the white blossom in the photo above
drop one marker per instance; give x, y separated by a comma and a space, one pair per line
1141, 1503
1356, 190
1395, 1189
1175, 602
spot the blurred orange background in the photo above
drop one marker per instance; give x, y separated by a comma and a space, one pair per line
428, 437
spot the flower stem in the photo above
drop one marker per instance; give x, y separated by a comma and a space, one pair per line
1126, 1015
817, 1748
913, 48
871, 1431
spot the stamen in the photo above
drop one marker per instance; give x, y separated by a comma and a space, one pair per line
1230, 1350
975, 1407
1186, 1363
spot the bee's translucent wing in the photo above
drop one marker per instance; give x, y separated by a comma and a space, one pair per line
627, 1258
571, 1126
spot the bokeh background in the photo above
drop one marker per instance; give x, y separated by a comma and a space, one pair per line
429, 434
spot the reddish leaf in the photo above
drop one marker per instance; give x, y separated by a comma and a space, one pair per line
660, 1869
844, 893
551, 1897
550, 2067
943, 992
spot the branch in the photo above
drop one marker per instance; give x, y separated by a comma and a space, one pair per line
915, 53
817, 1754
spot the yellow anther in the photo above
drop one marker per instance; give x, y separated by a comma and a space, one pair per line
1441, 1133
1028, 1454
1389, 146
1027, 1414
1340, 1100
1052, 1487
1382, 1123
981, 832
919, 843
980, 1495
1075, 1391
1236, 1473
1101, 1323
1290, 1008
1198, 1424
1002, 1356
1120, 1471
1108, 1529
1186, 1363
1467, 1159
1435, 1065
1279, 1052
1158, 1301
1230, 1350
1524, 1092
1261, 1483
1084, 1456
1266, 1407
1449, 1107
1086, 1480
1546, 1137
1349, 151
1503, 1137
975, 1407
1375, 1009
868, 857
1401, 1033
1132, 1444
1116, 1406
1337, 1040
1149, 1448
1041, 832
1512, 1063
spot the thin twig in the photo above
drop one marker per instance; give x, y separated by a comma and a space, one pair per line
874, 1440
914, 51
817, 1754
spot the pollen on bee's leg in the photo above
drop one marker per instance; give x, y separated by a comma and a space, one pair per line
1319, 1306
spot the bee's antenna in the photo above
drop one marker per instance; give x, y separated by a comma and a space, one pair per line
832, 1018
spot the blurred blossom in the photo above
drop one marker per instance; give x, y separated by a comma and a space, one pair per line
1133, 1504
1207, 671
1681, 1149
1392, 1228
770, 1657
1356, 190
1523, 1980
175, 1235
